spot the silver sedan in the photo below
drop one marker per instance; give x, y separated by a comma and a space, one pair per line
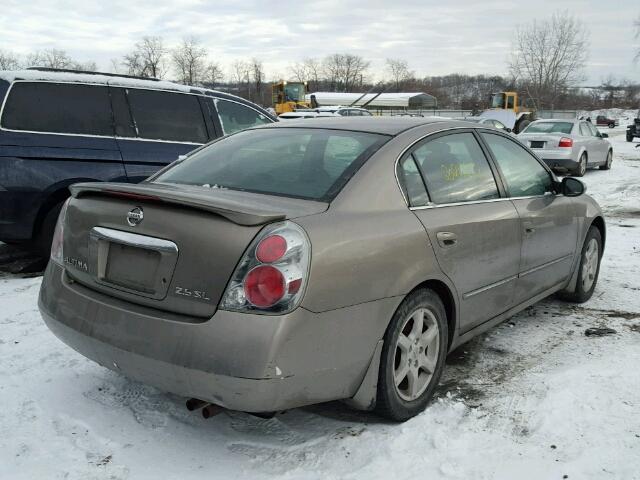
569, 146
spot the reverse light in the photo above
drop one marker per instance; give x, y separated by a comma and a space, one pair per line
272, 275
565, 143
57, 254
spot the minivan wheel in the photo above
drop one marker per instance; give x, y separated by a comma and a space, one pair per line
41, 244
588, 269
581, 169
607, 163
413, 356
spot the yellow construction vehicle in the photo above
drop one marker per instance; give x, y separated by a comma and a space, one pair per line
289, 96
511, 110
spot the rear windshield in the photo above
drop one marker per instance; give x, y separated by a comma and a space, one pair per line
293, 162
549, 127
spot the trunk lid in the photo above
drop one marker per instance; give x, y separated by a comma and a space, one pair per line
547, 141
168, 247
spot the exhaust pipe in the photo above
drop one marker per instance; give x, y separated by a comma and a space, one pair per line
211, 410
195, 404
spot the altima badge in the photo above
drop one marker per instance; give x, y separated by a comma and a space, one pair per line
135, 216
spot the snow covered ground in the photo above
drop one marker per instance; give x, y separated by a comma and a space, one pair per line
532, 399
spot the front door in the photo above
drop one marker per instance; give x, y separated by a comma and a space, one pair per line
473, 230
548, 222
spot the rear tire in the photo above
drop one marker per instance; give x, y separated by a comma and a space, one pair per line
607, 163
413, 356
581, 169
41, 243
588, 269
611, 125
629, 137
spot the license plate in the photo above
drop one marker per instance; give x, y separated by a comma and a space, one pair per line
537, 144
131, 267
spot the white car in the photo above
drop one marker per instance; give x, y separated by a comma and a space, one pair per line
328, 111
568, 145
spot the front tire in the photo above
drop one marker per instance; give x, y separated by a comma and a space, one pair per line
588, 269
413, 356
607, 163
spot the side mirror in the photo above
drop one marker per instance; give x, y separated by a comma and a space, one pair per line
604, 135
572, 187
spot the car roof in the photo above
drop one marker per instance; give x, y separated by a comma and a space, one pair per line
558, 120
382, 125
99, 78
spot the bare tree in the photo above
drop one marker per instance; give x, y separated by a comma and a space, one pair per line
9, 60
399, 72
147, 58
257, 75
549, 56
213, 74
52, 58
189, 61
345, 71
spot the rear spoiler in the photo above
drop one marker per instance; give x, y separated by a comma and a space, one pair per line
234, 206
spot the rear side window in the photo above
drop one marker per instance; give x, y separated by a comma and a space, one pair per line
292, 162
455, 169
584, 130
58, 108
412, 182
168, 116
235, 116
522, 172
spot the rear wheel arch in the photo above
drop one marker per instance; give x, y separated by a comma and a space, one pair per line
448, 299
598, 222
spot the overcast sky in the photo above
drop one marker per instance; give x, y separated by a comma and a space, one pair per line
436, 37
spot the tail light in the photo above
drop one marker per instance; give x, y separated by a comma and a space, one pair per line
58, 236
273, 273
565, 142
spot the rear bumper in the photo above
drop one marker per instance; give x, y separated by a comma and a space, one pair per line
558, 160
245, 362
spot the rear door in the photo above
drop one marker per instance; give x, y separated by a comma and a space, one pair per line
548, 222
600, 146
473, 229
154, 127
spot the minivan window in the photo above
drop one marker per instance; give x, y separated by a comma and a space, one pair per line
522, 172
292, 162
58, 108
455, 169
161, 115
235, 116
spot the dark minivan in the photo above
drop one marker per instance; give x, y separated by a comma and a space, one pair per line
62, 127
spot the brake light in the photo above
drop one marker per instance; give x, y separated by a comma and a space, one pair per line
565, 142
272, 275
57, 254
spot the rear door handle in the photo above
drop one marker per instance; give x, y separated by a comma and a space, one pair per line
446, 239
528, 228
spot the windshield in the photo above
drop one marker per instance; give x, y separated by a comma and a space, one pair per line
294, 92
549, 127
497, 100
292, 162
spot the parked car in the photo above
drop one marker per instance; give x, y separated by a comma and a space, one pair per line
603, 121
569, 145
633, 130
328, 111
62, 127
340, 259
489, 122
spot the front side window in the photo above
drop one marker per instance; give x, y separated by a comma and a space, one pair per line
455, 169
522, 172
167, 116
292, 162
235, 117
58, 108
594, 130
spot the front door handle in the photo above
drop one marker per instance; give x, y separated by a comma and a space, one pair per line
446, 239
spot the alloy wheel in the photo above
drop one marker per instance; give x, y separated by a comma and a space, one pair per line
590, 265
416, 354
